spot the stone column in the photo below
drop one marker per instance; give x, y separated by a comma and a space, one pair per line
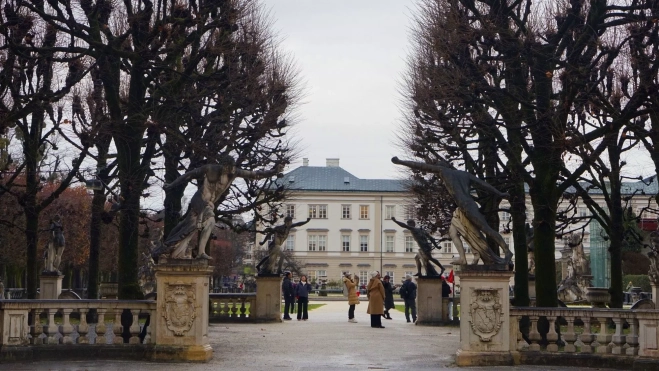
429, 301
532, 288
484, 317
655, 293
50, 285
268, 299
181, 324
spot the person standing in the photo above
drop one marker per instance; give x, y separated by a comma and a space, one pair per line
408, 293
351, 285
302, 291
289, 294
375, 292
388, 297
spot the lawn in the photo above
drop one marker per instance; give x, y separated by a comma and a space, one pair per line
215, 312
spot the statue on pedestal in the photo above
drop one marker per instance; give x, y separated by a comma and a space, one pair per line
574, 287
424, 255
530, 249
467, 221
53, 253
277, 237
653, 273
214, 180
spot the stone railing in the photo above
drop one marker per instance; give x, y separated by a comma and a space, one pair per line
42, 323
232, 307
588, 333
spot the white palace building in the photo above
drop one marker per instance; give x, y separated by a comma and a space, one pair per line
351, 227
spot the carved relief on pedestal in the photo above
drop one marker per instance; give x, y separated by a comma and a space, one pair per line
179, 307
486, 313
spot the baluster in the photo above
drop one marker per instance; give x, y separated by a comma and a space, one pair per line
135, 327
101, 327
37, 328
152, 322
83, 327
243, 309
618, 339
570, 336
213, 306
117, 328
632, 338
534, 335
51, 328
603, 339
552, 335
67, 329
234, 308
521, 343
225, 309
586, 336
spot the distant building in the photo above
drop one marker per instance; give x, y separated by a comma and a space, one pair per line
351, 227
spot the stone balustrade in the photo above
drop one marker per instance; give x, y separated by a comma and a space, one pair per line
589, 333
56, 322
232, 307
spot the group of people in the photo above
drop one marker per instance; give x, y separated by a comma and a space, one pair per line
299, 292
380, 294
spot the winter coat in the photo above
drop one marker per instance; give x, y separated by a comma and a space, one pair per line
375, 297
302, 290
410, 288
288, 290
446, 289
352, 290
388, 295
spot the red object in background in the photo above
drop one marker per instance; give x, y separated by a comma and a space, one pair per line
450, 278
357, 293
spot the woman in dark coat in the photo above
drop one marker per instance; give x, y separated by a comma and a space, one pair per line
388, 297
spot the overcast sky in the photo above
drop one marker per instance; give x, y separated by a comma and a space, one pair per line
351, 55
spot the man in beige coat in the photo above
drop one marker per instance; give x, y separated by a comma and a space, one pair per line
375, 308
351, 286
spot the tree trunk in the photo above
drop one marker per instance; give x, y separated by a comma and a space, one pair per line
544, 234
95, 232
172, 196
518, 214
617, 225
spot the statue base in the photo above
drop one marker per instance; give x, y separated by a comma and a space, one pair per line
180, 328
50, 285
268, 299
429, 301
484, 317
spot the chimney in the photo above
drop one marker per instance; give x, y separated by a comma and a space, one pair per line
332, 162
305, 162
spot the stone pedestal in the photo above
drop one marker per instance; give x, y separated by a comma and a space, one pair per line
655, 293
268, 299
429, 301
484, 317
181, 323
532, 287
50, 285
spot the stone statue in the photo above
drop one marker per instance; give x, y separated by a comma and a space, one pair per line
425, 242
214, 180
146, 275
574, 287
530, 249
53, 254
467, 221
275, 257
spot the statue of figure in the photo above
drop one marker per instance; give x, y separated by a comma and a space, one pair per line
275, 257
530, 249
569, 290
578, 256
467, 221
214, 180
53, 254
146, 275
425, 242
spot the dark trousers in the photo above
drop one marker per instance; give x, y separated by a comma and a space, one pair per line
376, 320
351, 311
410, 304
302, 306
288, 304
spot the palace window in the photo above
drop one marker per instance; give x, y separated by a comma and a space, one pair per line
363, 278
290, 211
389, 243
389, 211
363, 242
345, 211
290, 243
409, 244
391, 277
447, 247
318, 211
317, 242
345, 242
363, 211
